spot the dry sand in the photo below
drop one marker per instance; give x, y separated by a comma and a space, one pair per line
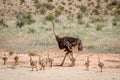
23, 71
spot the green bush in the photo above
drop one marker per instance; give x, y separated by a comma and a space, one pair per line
97, 19
3, 23
90, 46
96, 12
61, 8
117, 12
114, 21
50, 17
43, 11
87, 25
80, 21
99, 27
63, 3
106, 1
109, 6
31, 30
22, 1
50, 0
36, 1
70, 3
24, 18
97, 6
38, 5
57, 13
70, 17
79, 15
83, 8
48, 6
11, 53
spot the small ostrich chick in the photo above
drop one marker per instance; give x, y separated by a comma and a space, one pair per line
16, 59
100, 64
5, 58
87, 63
33, 63
42, 63
49, 60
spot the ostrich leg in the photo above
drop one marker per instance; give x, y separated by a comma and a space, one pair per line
72, 59
64, 58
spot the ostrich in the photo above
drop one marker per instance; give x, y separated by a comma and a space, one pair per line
87, 63
100, 64
16, 58
67, 43
33, 63
72, 60
49, 60
42, 63
5, 58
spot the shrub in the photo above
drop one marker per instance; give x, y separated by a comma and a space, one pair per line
20, 23
80, 21
114, 21
50, 17
48, 6
11, 53
117, 11
83, 8
109, 6
90, 46
61, 8
106, 1
70, 17
97, 6
97, 19
95, 11
79, 15
57, 13
87, 25
70, 3
3, 23
50, 0
24, 18
31, 53
38, 6
99, 27
63, 3
22, 1
31, 30
36, 1
43, 11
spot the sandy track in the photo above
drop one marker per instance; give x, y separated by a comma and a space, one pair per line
58, 73
23, 71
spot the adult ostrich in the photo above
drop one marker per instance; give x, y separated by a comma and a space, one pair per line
67, 43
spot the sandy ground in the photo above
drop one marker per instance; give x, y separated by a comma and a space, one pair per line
111, 70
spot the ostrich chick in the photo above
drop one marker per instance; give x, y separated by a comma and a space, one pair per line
49, 60
87, 63
42, 63
33, 63
100, 64
5, 58
16, 58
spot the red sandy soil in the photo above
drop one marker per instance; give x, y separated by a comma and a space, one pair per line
111, 70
